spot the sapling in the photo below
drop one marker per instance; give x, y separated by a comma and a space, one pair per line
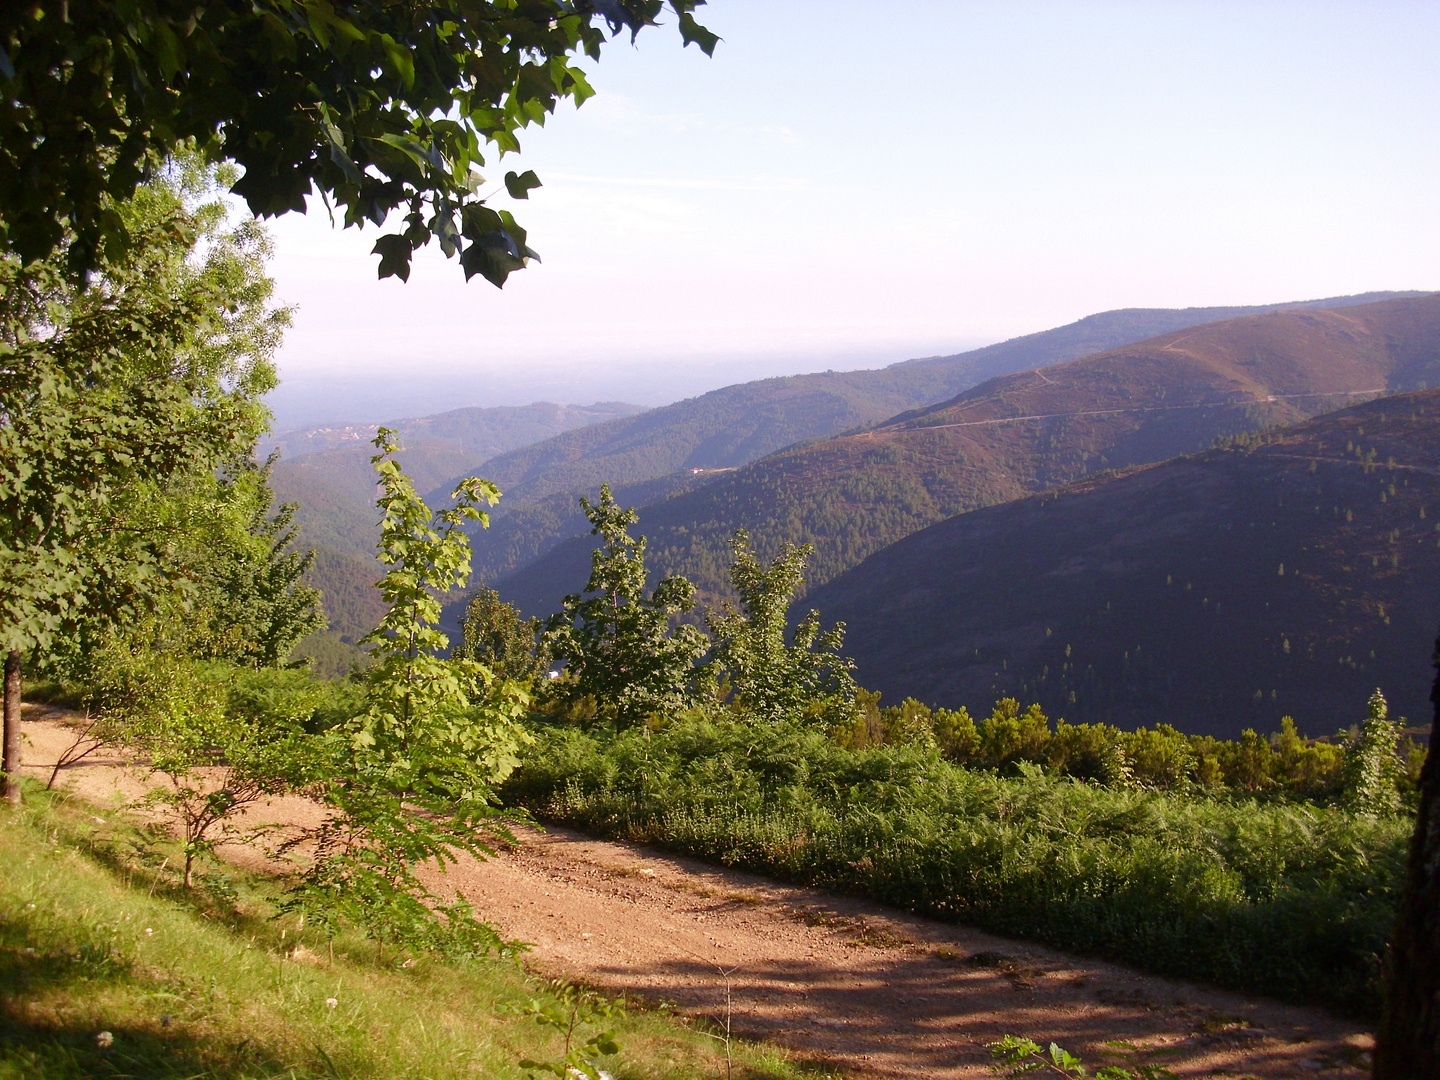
411, 778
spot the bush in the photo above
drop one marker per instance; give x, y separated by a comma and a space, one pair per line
1271, 897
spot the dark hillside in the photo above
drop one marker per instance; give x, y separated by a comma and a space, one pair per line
1021, 434
1290, 573
738, 424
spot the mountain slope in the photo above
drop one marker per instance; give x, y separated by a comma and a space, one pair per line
1020, 434
732, 426
1290, 573
327, 470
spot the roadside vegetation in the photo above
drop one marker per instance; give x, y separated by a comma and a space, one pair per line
111, 967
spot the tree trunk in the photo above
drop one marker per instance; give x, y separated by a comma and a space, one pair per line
1407, 1045
12, 726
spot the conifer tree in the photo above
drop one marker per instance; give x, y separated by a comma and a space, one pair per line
774, 679
616, 637
1369, 778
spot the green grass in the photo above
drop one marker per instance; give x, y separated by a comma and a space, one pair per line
1279, 898
96, 937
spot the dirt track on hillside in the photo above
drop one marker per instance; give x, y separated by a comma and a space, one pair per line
869, 989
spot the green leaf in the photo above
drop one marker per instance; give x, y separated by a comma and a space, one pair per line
401, 62
692, 31
394, 251
520, 186
409, 146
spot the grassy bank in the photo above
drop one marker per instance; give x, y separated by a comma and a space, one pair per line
1278, 898
95, 937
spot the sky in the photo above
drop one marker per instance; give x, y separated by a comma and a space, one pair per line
846, 185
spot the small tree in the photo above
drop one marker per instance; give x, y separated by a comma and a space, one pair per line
411, 779
774, 679
495, 635
217, 759
617, 641
255, 606
1370, 774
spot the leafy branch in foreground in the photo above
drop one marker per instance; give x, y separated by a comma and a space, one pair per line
380, 107
411, 779
573, 1009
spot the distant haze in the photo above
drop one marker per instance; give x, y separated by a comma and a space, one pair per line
366, 395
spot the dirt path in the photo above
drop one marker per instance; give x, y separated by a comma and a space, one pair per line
870, 989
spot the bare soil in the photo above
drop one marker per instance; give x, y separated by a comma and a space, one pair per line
864, 988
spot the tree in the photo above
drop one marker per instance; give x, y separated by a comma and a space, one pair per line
1371, 771
218, 752
257, 608
411, 779
119, 405
379, 106
774, 679
617, 641
495, 635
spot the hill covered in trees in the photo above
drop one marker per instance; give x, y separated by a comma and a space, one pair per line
1021, 434
684, 445
326, 470
1287, 573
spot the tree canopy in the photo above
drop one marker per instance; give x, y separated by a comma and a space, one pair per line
380, 106
121, 403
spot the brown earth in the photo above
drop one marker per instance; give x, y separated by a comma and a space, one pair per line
866, 989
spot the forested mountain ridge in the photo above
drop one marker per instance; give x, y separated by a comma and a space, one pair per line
1020, 434
327, 472
732, 426
479, 431
1288, 573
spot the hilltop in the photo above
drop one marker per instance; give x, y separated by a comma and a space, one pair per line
1020, 434
1284, 574
683, 446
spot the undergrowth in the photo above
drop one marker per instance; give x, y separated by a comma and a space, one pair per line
108, 967
1278, 898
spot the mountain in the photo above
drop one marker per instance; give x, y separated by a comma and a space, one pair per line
1024, 433
691, 440
1285, 574
327, 470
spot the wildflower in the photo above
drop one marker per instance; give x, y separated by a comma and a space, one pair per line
29, 952
330, 1003
104, 1040
148, 931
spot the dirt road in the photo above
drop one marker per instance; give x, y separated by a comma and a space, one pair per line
870, 989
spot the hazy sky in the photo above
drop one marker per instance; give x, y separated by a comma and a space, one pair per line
847, 184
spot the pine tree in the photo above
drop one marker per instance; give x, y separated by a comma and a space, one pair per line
616, 641
1369, 780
